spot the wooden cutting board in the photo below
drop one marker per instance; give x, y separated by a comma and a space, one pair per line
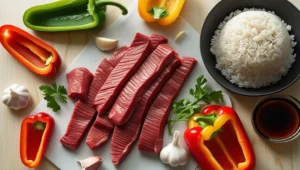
124, 29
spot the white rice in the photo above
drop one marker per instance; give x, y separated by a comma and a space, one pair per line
253, 48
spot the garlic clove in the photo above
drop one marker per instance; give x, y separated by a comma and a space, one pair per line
106, 44
91, 163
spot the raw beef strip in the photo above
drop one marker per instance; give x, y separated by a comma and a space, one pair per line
101, 130
81, 118
79, 80
139, 82
103, 71
138, 51
151, 138
118, 55
136, 55
156, 40
74, 132
124, 136
100, 76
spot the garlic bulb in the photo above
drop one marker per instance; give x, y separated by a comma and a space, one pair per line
106, 44
91, 163
16, 97
173, 154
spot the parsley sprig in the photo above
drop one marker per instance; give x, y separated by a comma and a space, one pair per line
185, 108
52, 93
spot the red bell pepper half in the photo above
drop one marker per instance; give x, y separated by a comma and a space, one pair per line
36, 131
33, 53
218, 141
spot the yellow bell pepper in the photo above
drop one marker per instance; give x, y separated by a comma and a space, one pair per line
164, 12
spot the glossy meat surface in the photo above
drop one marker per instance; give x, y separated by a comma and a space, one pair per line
139, 82
79, 80
151, 137
124, 137
135, 56
80, 120
129, 64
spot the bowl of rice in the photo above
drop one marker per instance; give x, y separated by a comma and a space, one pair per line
250, 46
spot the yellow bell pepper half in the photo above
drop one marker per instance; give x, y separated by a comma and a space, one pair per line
166, 11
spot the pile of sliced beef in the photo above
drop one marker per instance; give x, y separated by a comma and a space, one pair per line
129, 97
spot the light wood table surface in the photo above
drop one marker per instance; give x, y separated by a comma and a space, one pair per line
69, 44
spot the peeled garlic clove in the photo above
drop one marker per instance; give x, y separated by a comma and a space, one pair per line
91, 163
106, 44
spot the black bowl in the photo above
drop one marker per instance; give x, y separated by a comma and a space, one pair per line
284, 9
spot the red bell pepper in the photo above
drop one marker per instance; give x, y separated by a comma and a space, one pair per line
218, 141
36, 131
33, 53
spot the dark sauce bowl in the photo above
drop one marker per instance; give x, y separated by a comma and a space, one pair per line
282, 8
277, 122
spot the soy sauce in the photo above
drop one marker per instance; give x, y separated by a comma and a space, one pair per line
277, 118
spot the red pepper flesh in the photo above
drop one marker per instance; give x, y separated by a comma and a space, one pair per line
33, 142
33, 53
229, 149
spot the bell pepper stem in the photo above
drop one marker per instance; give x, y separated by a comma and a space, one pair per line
100, 3
39, 125
48, 60
206, 119
158, 12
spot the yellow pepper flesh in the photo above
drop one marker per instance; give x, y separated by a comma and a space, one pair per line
172, 6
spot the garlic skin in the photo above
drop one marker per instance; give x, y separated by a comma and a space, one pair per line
91, 163
106, 44
173, 154
16, 96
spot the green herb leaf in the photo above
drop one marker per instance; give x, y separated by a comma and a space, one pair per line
215, 96
185, 108
62, 90
52, 93
186, 101
51, 103
158, 12
196, 108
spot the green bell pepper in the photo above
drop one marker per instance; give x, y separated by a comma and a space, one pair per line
68, 15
